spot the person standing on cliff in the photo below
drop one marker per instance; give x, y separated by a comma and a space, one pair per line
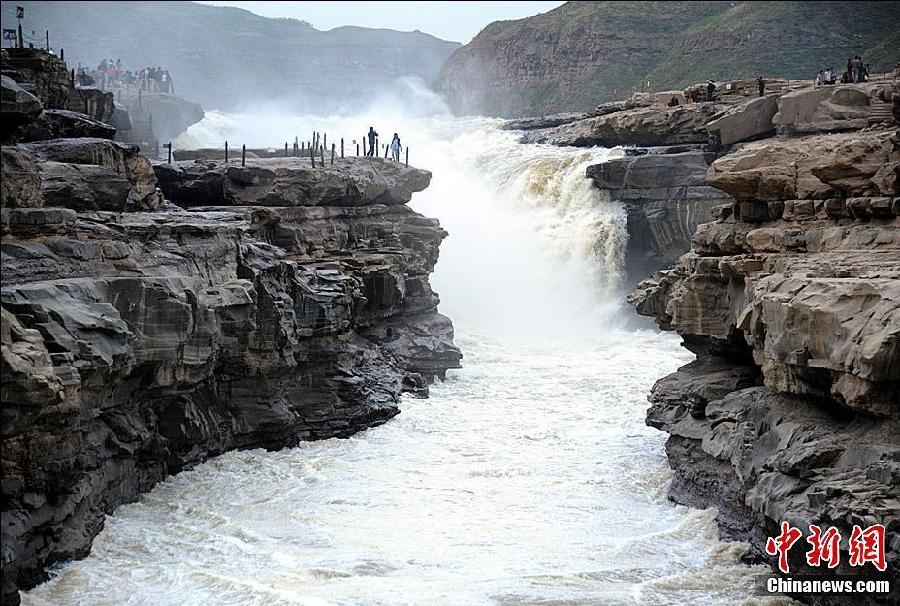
372, 135
762, 86
395, 148
710, 90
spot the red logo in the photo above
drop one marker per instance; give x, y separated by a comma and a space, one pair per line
865, 545
868, 546
782, 543
824, 546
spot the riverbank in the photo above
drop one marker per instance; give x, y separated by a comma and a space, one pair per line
788, 297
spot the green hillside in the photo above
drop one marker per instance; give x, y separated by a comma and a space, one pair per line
583, 53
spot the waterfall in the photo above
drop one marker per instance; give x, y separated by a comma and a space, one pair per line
534, 247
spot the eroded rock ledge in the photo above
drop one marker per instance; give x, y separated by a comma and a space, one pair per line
791, 301
140, 338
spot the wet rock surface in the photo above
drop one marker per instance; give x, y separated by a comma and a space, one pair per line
666, 197
140, 338
791, 301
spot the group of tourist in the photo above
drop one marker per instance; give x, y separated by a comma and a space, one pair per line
395, 146
112, 74
857, 71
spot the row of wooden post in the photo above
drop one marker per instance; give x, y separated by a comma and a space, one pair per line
298, 151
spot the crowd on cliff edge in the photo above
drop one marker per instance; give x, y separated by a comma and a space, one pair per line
112, 74
857, 71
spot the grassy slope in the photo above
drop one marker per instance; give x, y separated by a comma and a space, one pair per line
673, 44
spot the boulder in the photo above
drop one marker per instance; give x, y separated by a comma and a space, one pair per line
745, 121
18, 105
61, 123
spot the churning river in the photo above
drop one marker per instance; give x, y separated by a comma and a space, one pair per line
528, 477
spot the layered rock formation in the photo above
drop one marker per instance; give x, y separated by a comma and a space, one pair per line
791, 301
666, 197
569, 58
139, 338
41, 101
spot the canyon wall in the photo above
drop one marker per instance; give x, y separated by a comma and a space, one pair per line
790, 299
582, 53
156, 315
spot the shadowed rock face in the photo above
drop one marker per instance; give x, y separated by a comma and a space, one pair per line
135, 344
665, 196
791, 301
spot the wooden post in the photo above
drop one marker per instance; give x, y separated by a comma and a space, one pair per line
20, 40
342, 147
407, 156
325, 140
226, 152
48, 40
169, 145
365, 149
357, 150
62, 54
332, 154
385, 152
73, 77
285, 149
312, 156
322, 152
244, 154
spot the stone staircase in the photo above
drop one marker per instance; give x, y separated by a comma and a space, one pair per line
880, 112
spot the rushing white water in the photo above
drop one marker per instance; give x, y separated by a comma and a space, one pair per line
527, 478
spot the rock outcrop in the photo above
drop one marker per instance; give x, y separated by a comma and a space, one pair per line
40, 100
791, 301
139, 338
643, 126
18, 105
159, 117
666, 197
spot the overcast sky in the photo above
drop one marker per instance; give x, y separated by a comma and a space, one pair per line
457, 21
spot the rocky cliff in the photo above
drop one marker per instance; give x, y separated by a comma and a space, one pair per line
570, 58
273, 303
790, 299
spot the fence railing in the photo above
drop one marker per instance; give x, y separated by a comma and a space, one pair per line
316, 149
